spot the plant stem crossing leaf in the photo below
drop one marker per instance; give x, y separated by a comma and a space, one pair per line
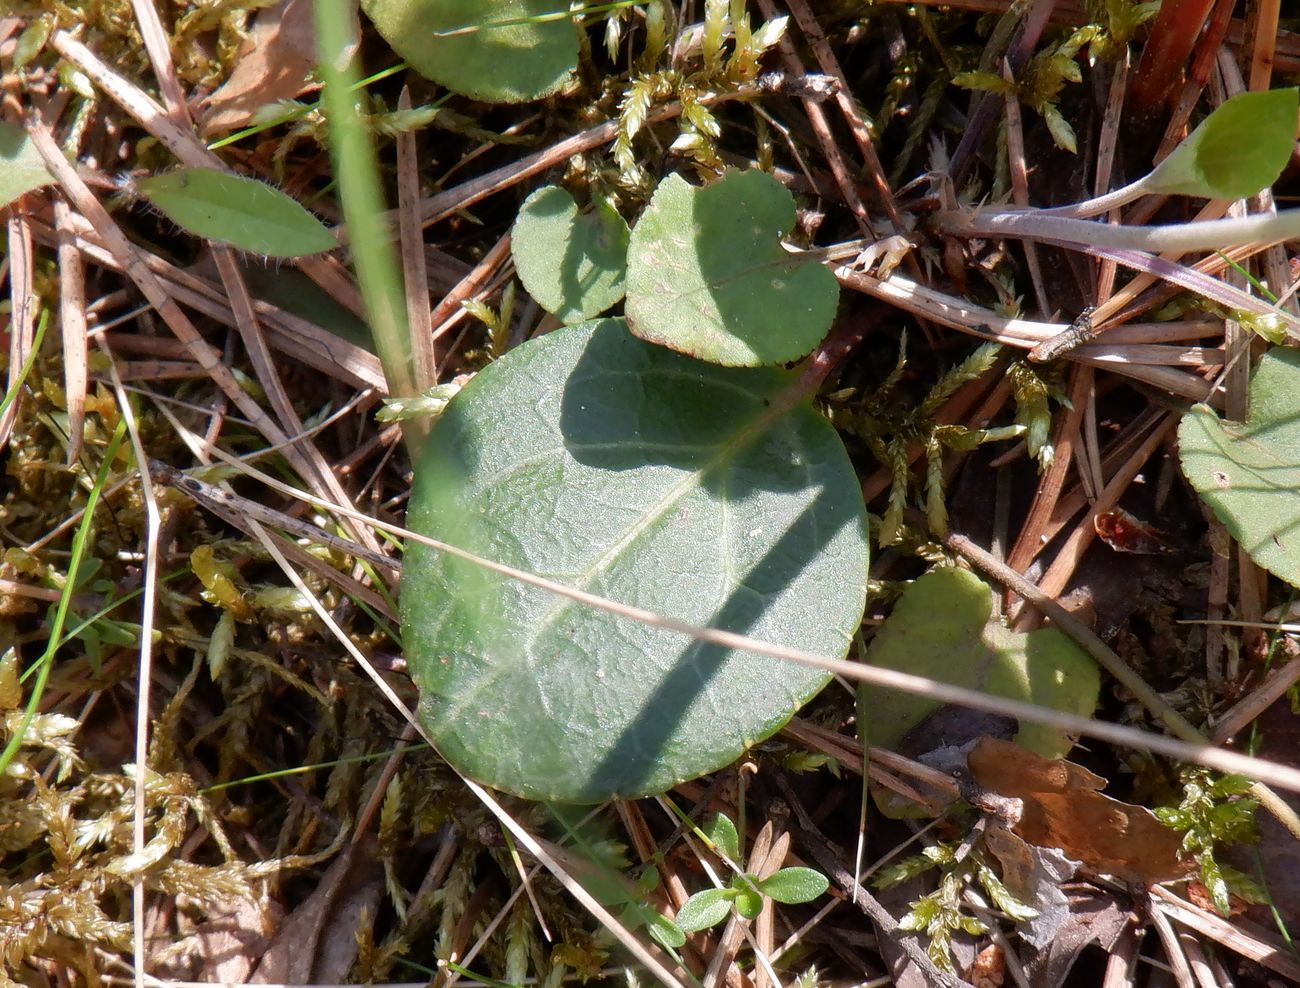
501, 51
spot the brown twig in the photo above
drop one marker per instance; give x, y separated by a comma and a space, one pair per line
415, 272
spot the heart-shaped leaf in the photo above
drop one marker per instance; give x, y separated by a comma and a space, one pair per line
21, 167
942, 627
1249, 473
605, 463
1237, 150
500, 51
572, 263
707, 274
240, 211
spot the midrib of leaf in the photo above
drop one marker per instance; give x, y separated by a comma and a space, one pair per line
707, 284
667, 502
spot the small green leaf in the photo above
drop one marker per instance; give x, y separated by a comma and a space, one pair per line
74, 80
572, 263
649, 880
1002, 897
919, 917
664, 931
500, 51
1237, 150
791, 885
972, 925
749, 904
1060, 129
31, 41
707, 274
723, 834
21, 167
1249, 473
942, 627
1173, 817
985, 82
628, 470
242, 212
704, 909
1213, 880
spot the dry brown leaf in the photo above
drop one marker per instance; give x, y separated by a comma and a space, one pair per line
317, 942
234, 936
1033, 875
1093, 916
1064, 808
275, 62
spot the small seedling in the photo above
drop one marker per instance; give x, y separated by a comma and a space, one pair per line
745, 891
1240, 149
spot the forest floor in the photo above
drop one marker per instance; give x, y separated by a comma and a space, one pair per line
212, 771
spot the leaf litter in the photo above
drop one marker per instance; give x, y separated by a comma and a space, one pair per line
276, 697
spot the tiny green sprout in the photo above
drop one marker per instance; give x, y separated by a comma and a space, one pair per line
1215, 811
634, 914
746, 891
800, 762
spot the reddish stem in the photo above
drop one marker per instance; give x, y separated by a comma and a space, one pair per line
1169, 44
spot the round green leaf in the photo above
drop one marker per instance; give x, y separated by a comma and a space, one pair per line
791, 885
707, 274
704, 909
1249, 473
242, 212
942, 627
21, 167
1236, 151
614, 466
571, 263
500, 51
749, 904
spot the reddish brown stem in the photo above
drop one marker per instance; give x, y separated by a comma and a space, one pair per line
1170, 43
